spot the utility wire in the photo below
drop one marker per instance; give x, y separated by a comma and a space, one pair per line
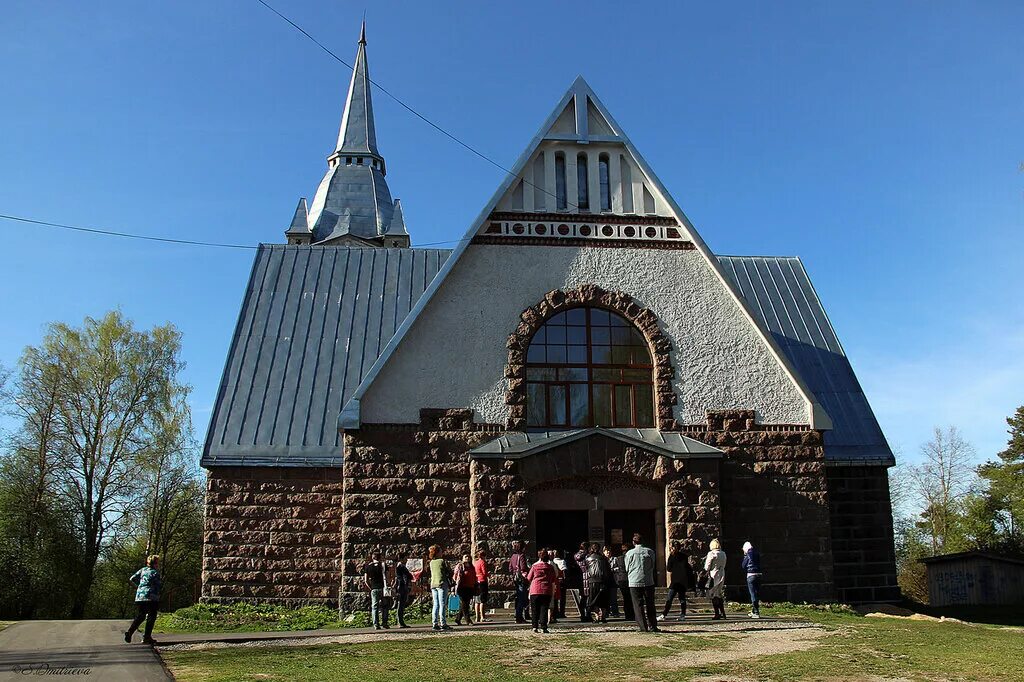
128, 235
408, 108
192, 242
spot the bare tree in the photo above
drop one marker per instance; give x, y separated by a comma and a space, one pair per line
942, 480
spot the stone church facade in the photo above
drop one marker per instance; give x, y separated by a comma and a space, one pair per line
580, 366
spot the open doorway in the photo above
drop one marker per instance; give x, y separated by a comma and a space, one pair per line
620, 524
561, 529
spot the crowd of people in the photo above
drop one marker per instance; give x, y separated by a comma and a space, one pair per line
596, 577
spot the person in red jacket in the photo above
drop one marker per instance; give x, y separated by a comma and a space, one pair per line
465, 586
541, 578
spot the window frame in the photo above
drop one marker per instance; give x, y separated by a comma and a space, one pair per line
557, 382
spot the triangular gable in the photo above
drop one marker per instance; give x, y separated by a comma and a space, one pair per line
590, 123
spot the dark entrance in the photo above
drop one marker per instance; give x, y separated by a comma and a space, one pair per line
620, 524
563, 530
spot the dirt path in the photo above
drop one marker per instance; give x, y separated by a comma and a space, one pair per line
737, 641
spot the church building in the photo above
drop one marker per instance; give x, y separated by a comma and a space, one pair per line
581, 366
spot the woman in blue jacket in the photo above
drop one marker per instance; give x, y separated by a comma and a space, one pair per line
752, 565
147, 598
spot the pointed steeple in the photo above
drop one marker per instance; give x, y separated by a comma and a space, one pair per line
357, 134
353, 204
298, 232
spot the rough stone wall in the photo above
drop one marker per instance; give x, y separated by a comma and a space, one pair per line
774, 494
406, 487
272, 534
500, 491
862, 534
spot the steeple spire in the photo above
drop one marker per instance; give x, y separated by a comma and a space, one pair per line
353, 204
357, 134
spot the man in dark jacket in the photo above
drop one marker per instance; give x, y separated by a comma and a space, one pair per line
752, 566
680, 579
598, 575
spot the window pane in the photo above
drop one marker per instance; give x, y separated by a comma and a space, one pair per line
579, 404
576, 335
556, 403
636, 339
617, 321
602, 404
556, 320
623, 406
535, 415
606, 194
573, 374
576, 316
620, 355
599, 318
535, 353
600, 335
539, 336
606, 374
582, 182
540, 374
633, 375
644, 405
621, 336
556, 334
602, 355
577, 355
556, 354
560, 196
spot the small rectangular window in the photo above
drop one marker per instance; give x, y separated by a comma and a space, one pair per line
582, 182
556, 405
605, 181
602, 404
623, 406
560, 197
535, 405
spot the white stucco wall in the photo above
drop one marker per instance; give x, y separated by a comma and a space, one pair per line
454, 354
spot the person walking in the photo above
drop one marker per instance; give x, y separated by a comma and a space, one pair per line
680, 578
147, 583
618, 563
373, 580
403, 588
518, 567
540, 578
714, 564
640, 573
598, 571
751, 564
465, 586
584, 602
482, 574
563, 582
440, 585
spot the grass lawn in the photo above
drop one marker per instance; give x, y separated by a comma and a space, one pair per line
853, 647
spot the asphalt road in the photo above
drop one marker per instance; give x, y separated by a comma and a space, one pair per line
79, 649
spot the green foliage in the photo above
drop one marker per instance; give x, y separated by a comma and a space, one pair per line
1005, 494
245, 617
100, 472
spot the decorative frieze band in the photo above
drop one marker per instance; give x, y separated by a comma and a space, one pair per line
591, 228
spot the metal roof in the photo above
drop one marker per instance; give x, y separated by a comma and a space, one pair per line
778, 290
313, 321
668, 443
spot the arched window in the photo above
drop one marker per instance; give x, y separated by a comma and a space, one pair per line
589, 367
605, 182
582, 182
560, 197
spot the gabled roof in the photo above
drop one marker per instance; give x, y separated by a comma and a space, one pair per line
313, 320
585, 102
780, 293
668, 443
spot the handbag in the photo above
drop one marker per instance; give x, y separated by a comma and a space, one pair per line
389, 592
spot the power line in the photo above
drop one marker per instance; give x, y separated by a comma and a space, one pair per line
408, 108
128, 235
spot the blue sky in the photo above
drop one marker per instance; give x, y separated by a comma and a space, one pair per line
882, 142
